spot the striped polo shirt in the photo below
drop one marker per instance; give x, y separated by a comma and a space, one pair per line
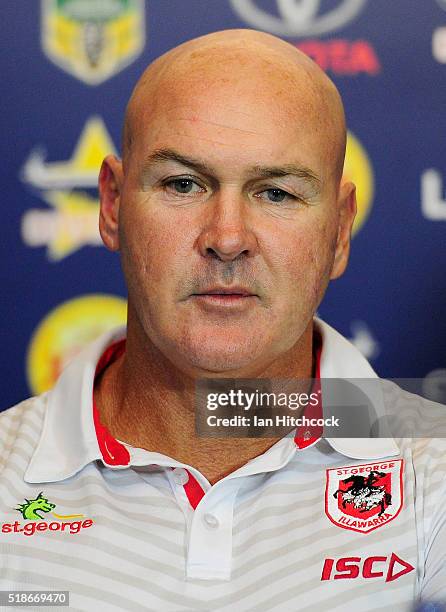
311, 524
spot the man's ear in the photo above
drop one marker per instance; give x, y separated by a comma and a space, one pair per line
347, 212
110, 186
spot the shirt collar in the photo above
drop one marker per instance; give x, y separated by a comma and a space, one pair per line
72, 435
68, 440
340, 359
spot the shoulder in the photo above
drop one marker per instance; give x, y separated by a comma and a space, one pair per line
419, 429
21, 426
418, 426
30, 409
410, 415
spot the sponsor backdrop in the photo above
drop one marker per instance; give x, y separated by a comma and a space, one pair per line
68, 72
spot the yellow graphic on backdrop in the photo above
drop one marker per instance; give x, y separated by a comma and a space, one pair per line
72, 221
81, 170
92, 39
358, 169
75, 222
65, 331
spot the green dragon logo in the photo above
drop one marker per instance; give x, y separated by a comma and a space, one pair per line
31, 507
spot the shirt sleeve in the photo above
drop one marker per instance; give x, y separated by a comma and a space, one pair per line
432, 473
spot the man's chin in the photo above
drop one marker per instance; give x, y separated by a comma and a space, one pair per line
209, 349
219, 364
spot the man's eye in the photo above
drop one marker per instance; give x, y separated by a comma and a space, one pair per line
277, 196
182, 185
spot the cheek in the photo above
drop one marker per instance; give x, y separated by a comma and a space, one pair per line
306, 265
151, 244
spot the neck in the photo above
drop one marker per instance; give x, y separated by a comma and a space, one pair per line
145, 401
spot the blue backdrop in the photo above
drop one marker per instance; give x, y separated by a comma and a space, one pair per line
68, 69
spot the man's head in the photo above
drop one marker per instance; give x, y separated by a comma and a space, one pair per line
233, 148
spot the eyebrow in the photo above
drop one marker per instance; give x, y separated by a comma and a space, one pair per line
160, 156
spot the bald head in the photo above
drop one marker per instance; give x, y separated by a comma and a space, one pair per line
232, 57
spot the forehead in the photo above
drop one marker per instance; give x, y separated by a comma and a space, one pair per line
247, 116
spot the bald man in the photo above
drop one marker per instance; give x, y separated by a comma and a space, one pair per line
231, 217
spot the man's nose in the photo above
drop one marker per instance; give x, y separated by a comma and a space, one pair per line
227, 231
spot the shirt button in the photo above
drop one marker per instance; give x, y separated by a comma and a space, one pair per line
211, 520
180, 476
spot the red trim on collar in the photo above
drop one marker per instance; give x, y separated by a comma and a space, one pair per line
306, 436
113, 452
193, 490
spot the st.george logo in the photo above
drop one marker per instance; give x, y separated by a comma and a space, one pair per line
364, 497
299, 17
35, 511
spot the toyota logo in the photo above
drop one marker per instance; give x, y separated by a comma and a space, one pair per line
298, 17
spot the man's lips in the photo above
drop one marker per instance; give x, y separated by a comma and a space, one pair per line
225, 297
227, 291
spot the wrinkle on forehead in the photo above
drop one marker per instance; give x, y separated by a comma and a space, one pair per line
238, 57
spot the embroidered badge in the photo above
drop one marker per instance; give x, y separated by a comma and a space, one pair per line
34, 513
364, 497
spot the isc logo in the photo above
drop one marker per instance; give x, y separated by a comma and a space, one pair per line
371, 567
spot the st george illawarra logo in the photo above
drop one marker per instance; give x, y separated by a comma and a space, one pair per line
364, 497
92, 39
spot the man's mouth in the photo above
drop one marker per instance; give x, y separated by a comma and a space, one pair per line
225, 296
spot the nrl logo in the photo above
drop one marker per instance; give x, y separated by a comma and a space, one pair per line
92, 39
364, 497
298, 17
